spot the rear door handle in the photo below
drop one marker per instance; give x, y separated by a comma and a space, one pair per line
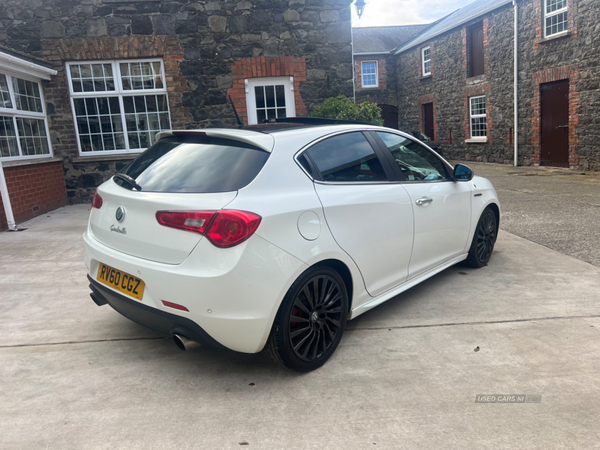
423, 201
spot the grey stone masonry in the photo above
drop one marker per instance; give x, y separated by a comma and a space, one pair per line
200, 42
571, 56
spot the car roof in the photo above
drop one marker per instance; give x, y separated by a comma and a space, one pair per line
263, 136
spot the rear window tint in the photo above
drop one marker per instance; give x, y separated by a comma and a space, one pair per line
178, 165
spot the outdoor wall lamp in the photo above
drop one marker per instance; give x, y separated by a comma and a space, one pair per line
360, 6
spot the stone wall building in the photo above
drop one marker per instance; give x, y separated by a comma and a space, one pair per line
375, 67
461, 68
125, 70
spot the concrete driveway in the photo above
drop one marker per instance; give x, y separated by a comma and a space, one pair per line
406, 375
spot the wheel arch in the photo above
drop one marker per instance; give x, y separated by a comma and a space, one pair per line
494, 207
344, 272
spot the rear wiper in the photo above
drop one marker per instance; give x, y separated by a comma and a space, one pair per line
129, 180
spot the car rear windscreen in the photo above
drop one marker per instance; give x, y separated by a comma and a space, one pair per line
186, 165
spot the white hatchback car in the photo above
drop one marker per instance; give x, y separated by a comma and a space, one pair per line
271, 237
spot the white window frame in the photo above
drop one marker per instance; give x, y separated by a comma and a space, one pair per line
118, 92
251, 83
477, 116
552, 14
17, 113
362, 74
424, 61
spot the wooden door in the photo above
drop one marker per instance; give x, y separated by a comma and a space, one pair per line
389, 114
476, 52
428, 128
555, 124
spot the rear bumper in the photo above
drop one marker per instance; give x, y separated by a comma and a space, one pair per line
231, 294
155, 319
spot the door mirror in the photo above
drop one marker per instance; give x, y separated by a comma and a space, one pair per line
462, 173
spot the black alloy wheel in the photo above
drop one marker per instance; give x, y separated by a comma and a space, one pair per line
310, 321
484, 239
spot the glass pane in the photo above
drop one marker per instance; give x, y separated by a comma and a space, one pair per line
86, 143
271, 113
4, 93
75, 71
347, 158
142, 75
27, 95
86, 71
97, 71
162, 103
82, 125
415, 161
477, 106
99, 124
151, 103
8, 139
259, 94
280, 95
270, 94
281, 113
261, 116
555, 5
97, 144
128, 104
79, 107
32, 135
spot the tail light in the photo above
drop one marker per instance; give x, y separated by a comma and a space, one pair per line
97, 201
223, 228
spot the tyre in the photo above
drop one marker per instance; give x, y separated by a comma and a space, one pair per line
484, 239
310, 322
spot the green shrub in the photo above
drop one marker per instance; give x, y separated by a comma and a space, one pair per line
343, 108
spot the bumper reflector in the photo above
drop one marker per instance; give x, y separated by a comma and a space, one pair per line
175, 306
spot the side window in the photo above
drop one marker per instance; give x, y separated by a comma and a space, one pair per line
415, 161
347, 158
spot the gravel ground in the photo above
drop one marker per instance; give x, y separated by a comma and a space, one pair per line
557, 208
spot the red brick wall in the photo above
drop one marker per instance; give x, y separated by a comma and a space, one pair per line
265, 66
33, 190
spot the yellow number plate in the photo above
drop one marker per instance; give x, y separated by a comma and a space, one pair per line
121, 281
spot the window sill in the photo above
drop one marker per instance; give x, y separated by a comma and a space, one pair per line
476, 141
29, 162
101, 158
477, 79
369, 87
554, 37
426, 77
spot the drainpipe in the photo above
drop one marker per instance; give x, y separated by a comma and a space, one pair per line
6, 201
516, 87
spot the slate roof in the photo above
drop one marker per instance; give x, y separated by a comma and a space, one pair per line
25, 57
453, 20
383, 39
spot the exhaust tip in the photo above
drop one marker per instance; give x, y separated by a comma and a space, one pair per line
184, 343
100, 301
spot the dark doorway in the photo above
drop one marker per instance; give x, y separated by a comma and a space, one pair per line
555, 124
389, 114
428, 127
476, 53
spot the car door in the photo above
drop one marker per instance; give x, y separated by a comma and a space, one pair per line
369, 215
442, 207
